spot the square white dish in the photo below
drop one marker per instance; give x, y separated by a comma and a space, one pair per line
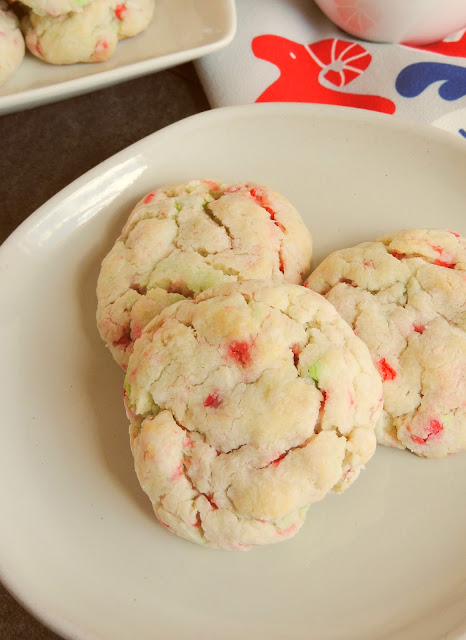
79, 546
181, 30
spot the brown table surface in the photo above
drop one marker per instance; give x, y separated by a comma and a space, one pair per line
44, 149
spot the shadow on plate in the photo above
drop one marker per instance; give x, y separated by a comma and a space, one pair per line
103, 379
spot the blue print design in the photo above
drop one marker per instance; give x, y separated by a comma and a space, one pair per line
415, 78
462, 132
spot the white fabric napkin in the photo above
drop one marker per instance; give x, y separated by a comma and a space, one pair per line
288, 51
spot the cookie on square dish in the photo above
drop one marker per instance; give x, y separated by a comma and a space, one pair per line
55, 7
90, 35
405, 297
247, 405
11, 43
182, 239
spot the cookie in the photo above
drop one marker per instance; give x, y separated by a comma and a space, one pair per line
88, 36
54, 7
11, 43
405, 297
134, 16
182, 239
246, 405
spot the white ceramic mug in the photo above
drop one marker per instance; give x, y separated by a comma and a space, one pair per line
412, 21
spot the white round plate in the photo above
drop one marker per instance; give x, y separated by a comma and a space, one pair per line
79, 545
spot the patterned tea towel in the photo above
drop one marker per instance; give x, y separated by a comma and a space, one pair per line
288, 51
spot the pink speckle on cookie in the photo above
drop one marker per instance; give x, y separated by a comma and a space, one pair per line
211, 184
398, 256
178, 471
419, 328
259, 197
288, 531
436, 248
385, 370
213, 400
457, 235
415, 439
324, 400
348, 473
101, 51
296, 349
149, 197
187, 442
137, 331
277, 461
102, 45
370, 264
434, 429
210, 498
239, 352
442, 263
120, 10
122, 342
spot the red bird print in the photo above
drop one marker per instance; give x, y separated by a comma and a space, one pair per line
454, 45
311, 73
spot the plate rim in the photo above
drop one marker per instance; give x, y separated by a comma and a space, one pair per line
30, 98
396, 123
43, 612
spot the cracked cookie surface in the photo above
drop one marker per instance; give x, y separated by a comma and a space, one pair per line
88, 35
405, 297
182, 239
247, 405
55, 7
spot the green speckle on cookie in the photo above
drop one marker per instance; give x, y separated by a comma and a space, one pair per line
153, 410
186, 274
302, 512
204, 279
127, 388
258, 312
447, 419
178, 206
313, 372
